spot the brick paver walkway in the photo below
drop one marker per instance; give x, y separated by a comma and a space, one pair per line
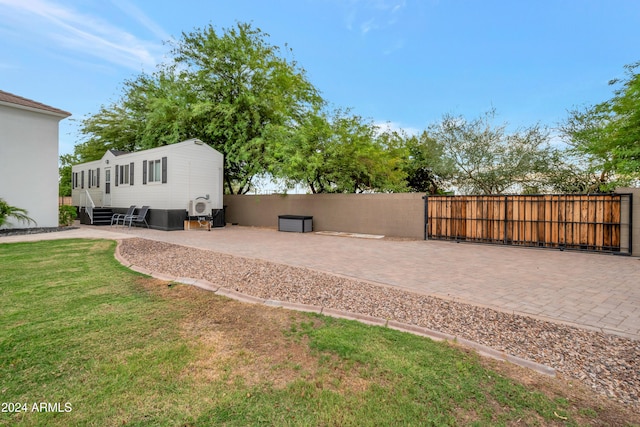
590, 290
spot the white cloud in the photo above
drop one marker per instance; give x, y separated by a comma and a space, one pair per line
77, 32
137, 14
368, 15
396, 127
396, 45
367, 26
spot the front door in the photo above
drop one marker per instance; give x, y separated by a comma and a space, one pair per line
107, 187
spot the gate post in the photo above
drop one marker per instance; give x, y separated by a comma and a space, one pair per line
633, 214
506, 219
426, 215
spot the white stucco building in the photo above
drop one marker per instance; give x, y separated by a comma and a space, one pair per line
29, 158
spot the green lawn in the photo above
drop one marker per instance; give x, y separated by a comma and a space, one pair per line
85, 341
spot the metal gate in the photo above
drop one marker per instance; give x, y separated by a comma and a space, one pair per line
593, 222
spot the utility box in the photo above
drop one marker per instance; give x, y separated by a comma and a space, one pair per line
219, 217
295, 223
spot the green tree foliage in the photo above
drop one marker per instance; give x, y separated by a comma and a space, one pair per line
302, 153
479, 157
426, 167
607, 135
64, 177
226, 89
362, 160
339, 154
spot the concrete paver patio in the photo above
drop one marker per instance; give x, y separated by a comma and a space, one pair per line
600, 292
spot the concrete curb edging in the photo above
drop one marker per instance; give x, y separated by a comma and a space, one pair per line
327, 311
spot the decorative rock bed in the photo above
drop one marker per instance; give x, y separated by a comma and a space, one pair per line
34, 230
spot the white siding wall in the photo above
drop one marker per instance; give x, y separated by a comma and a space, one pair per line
192, 171
29, 164
96, 192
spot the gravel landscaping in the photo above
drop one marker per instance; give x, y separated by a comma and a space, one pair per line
609, 364
33, 230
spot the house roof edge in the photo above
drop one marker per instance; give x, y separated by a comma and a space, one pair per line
16, 101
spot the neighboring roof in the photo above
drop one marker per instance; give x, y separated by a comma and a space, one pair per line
9, 98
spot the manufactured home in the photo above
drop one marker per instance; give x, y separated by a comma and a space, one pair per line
176, 181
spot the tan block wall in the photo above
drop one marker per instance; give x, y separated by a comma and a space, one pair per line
392, 215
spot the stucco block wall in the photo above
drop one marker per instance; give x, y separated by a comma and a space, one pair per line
394, 215
29, 164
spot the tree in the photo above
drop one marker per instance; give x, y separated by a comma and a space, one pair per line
363, 160
343, 153
485, 159
302, 153
64, 180
565, 173
608, 134
427, 169
226, 89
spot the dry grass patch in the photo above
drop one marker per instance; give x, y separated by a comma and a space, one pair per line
255, 345
580, 399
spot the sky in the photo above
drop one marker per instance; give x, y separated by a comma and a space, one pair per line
402, 63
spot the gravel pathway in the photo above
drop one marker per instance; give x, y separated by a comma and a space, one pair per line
609, 364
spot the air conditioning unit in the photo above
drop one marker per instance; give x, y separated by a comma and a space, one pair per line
199, 207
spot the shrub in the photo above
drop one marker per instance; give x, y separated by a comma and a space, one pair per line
66, 215
7, 211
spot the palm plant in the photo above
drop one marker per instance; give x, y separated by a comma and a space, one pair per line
7, 211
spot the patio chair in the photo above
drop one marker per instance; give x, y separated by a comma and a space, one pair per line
140, 217
117, 217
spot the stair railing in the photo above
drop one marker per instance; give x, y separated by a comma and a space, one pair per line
88, 204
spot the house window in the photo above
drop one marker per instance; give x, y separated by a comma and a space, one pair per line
155, 171
124, 174
93, 177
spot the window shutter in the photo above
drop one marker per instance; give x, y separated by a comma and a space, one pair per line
131, 173
82, 179
164, 170
116, 168
98, 178
144, 172
89, 175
